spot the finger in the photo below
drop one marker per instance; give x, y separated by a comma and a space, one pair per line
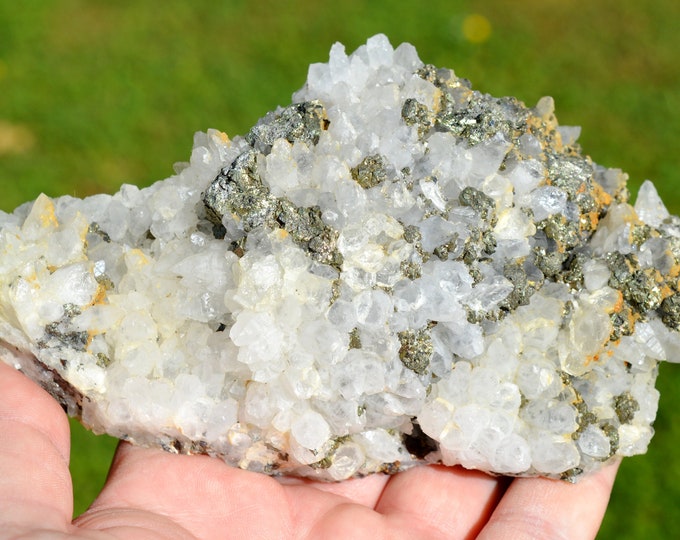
544, 508
451, 502
35, 483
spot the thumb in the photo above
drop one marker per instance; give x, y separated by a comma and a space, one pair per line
35, 483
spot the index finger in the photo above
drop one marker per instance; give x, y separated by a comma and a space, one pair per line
545, 508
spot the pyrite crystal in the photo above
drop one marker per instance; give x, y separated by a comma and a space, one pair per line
395, 269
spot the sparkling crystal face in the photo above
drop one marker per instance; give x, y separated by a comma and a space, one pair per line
395, 269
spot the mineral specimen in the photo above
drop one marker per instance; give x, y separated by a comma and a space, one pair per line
395, 269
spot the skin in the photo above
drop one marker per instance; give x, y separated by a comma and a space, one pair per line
150, 494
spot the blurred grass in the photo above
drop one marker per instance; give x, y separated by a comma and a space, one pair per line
96, 93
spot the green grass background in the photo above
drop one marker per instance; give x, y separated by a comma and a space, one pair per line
97, 93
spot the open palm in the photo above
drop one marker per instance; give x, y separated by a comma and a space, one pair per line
150, 494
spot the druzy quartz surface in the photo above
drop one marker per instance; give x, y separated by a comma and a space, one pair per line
395, 269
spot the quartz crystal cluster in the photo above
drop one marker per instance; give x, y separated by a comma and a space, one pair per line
395, 269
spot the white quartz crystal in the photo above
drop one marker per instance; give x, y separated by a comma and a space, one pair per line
395, 269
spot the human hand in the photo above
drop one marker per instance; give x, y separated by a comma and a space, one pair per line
150, 494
